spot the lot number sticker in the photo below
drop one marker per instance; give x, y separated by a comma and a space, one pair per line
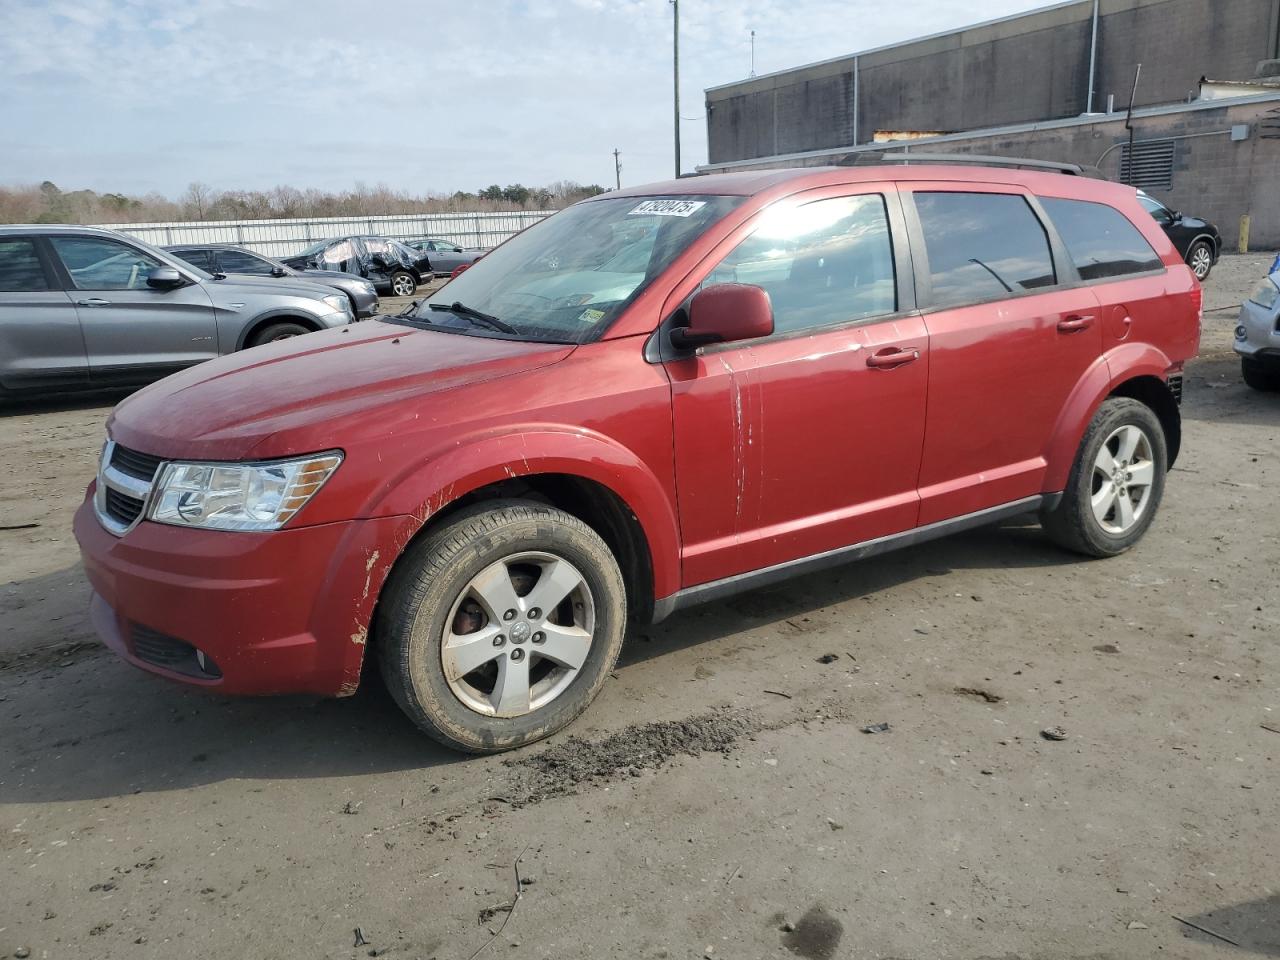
668, 208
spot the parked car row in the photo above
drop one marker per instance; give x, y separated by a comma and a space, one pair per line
229, 258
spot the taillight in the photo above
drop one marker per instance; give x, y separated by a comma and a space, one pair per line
1197, 299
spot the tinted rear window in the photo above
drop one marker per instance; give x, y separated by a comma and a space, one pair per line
1101, 240
983, 246
20, 268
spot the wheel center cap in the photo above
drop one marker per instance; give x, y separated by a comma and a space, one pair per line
520, 632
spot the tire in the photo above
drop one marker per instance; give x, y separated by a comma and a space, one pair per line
1200, 259
403, 284
1259, 376
278, 331
1110, 530
432, 599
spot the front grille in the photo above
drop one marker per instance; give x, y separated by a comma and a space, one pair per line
162, 650
142, 466
1175, 387
121, 507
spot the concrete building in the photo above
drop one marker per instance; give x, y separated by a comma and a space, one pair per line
1020, 86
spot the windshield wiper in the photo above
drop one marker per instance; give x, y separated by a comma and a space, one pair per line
462, 310
410, 310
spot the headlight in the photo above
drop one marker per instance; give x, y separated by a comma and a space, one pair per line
338, 302
239, 496
1266, 293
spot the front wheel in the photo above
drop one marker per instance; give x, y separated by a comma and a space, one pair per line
278, 331
500, 628
1116, 482
1259, 376
403, 284
1200, 259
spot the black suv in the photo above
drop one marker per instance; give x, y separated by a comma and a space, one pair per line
1197, 240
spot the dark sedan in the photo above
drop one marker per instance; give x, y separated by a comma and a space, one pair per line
1197, 240
390, 265
229, 258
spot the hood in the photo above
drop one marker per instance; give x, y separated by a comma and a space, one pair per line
240, 282
302, 394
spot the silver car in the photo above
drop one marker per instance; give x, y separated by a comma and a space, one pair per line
88, 308
1258, 334
445, 256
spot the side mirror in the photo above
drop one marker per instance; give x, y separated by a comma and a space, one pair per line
278, 272
165, 278
724, 313
1175, 215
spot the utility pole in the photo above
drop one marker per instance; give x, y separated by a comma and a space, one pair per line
675, 63
617, 167
1128, 123
753, 53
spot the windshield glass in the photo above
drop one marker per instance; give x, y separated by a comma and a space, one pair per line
568, 277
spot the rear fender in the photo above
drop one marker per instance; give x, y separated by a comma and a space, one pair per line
1124, 362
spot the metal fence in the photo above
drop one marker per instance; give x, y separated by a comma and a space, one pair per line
281, 238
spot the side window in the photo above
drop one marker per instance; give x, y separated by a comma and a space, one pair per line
1101, 240
337, 254
197, 258
236, 261
378, 247
96, 263
20, 269
1154, 207
983, 246
830, 261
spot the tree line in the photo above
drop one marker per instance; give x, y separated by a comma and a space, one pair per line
47, 203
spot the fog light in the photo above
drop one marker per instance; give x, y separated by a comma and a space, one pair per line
1241, 332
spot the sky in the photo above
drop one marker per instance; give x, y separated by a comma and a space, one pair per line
426, 96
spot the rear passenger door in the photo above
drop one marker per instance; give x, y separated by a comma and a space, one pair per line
40, 340
1011, 333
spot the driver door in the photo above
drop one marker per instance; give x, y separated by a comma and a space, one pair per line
132, 331
807, 440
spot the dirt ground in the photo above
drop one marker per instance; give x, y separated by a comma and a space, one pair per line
720, 798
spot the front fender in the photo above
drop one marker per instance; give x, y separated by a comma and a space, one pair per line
441, 477
1121, 363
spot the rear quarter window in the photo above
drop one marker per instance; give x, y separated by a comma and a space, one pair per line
1101, 240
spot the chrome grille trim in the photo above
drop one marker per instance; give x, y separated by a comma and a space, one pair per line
112, 478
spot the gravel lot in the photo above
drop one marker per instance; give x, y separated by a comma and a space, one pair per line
719, 799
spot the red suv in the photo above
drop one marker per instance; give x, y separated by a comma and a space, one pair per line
657, 397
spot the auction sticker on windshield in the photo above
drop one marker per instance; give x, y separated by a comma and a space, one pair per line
668, 208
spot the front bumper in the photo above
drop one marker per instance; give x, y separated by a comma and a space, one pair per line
1256, 331
337, 318
367, 305
270, 613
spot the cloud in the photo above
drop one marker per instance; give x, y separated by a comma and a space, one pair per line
142, 95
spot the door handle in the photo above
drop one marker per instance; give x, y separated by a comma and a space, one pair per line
94, 302
1074, 323
892, 357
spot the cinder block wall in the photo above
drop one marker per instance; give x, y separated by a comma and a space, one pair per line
1024, 69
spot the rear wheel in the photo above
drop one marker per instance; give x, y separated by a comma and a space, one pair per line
403, 284
1260, 376
500, 628
1116, 482
1200, 259
278, 331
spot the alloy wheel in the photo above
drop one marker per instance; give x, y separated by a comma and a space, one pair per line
1123, 472
404, 286
1201, 262
518, 634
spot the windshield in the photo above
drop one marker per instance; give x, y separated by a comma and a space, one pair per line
568, 277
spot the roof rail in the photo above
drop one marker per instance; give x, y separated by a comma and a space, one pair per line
978, 160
